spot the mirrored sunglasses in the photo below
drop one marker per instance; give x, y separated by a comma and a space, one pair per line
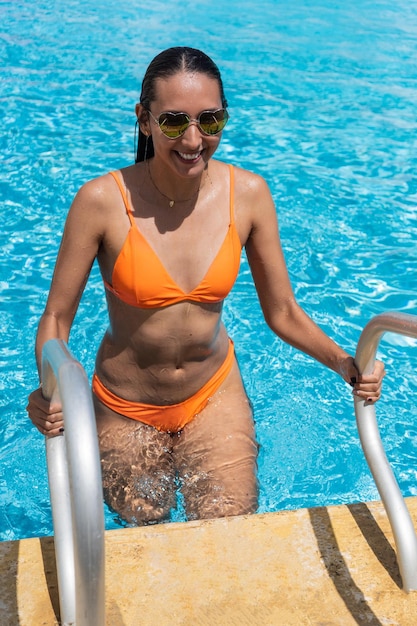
173, 125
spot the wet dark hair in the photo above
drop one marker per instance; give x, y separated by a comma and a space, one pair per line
164, 65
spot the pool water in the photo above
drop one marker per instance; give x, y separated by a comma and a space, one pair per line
322, 99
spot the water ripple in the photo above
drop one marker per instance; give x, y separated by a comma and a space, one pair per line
330, 125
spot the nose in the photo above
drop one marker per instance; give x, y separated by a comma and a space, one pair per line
193, 133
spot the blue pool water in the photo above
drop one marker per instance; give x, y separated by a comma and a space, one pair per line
323, 100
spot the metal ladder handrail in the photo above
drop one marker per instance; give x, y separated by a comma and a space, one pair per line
401, 523
75, 485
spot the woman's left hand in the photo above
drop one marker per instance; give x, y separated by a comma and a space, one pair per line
367, 387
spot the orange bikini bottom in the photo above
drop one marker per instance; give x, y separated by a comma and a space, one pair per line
170, 418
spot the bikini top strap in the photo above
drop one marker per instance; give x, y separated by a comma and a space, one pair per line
126, 202
129, 208
232, 193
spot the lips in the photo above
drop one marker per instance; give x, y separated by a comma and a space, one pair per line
189, 156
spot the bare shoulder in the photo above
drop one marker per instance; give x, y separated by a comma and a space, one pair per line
245, 180
96, 194
94, 207
249, 181
251, 190
253, 203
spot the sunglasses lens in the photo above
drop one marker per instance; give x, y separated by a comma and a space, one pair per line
213, 122
173, 124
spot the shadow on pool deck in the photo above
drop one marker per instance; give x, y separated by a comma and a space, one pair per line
336, 566
318, 567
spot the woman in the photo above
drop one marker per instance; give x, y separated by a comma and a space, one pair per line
167, 231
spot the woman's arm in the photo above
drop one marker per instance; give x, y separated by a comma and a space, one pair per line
281, 311
80, 243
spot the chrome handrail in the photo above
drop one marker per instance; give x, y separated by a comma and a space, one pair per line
401, 523
75, 484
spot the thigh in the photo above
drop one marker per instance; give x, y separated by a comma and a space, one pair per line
139, 481
216, 455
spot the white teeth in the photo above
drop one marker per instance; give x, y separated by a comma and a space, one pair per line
189, 157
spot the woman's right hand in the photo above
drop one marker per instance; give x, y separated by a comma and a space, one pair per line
46, 416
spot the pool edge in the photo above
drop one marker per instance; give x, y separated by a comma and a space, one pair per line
325, 565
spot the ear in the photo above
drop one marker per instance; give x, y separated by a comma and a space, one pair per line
143, 119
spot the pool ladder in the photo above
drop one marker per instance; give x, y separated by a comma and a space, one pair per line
401, 523
76, 488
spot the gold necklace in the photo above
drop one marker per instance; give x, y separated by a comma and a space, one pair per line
170, 200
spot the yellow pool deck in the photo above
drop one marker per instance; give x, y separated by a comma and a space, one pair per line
322, 566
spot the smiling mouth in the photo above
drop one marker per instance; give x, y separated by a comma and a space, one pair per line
189, 157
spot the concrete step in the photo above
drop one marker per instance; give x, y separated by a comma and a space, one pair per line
322, 566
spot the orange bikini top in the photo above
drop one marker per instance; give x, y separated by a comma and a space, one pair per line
140, 279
